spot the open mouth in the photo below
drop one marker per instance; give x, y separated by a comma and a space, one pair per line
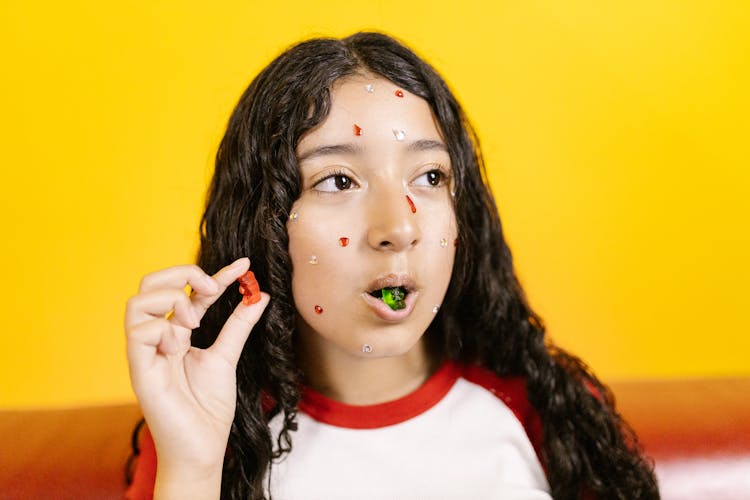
393, 296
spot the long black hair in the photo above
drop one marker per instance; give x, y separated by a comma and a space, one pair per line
485, 318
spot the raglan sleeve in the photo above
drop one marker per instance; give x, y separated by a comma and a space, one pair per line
144, 472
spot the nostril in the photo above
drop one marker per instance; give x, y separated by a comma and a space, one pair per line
390, 244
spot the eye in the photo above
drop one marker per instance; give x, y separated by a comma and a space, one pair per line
333, 183
432, 178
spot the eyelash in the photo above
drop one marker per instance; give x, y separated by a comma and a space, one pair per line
333, 175
440, 170
442, 179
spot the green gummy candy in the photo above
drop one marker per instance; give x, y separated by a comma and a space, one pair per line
394, 297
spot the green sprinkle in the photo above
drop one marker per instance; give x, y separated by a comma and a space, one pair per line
394, 297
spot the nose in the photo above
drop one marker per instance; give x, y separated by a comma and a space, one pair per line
391, 224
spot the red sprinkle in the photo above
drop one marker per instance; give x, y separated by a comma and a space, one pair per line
343, 241
318, 309
411, 205
399, 93
357, 130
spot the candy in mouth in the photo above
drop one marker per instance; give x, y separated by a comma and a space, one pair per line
393, 296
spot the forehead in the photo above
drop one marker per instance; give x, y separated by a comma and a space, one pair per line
371, 110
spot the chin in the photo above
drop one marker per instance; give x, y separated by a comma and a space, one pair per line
390, 345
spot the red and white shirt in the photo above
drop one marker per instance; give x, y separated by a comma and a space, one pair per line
465, 433
462, 434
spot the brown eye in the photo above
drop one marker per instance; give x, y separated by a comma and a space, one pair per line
433, 177
335, 182
342, 182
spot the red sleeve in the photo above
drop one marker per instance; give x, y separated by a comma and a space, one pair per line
512, 391
144, 476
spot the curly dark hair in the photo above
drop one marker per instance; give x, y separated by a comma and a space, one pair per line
588, 448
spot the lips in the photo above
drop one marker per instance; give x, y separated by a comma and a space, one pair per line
403, 283
392, 281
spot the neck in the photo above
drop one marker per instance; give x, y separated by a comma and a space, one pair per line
360, 380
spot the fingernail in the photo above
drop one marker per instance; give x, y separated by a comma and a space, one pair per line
237, 262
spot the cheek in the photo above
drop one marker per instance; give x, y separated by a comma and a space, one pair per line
437, 255
439, 230
318, 245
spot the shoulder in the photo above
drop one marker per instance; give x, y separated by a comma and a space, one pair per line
511, 390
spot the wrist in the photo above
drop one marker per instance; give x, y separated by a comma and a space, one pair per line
180, 481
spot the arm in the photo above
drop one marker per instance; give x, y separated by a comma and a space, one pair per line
187, 395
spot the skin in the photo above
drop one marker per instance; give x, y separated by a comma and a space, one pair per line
377, 172
188, 395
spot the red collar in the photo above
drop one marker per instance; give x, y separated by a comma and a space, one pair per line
328, 411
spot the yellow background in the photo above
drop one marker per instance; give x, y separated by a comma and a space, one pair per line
616, 134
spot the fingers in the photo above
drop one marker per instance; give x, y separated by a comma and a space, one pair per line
225, 277
161, 293
237, 329
157, 294
157, 303
145, 339
178, 277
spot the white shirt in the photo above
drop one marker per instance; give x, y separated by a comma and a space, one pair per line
460, 435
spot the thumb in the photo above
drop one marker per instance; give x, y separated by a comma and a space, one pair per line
237, 329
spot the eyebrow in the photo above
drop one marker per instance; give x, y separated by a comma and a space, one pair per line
427, 145
333, 149
352, 149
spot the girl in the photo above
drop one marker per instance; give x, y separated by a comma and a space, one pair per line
394, 354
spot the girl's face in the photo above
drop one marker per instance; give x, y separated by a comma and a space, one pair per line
375, 213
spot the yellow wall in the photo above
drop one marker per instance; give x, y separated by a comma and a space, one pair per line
616, 137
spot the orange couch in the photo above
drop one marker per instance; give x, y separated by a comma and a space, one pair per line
697, 431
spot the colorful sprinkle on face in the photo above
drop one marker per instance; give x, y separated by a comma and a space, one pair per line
400, 135
313, 260
370, 88
344, 242
358, 130
443, 242
293, 216
399, 93
435, 309
249, 288
318, 309
366, 348
411, 204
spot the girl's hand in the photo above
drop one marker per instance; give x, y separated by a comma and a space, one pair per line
187, 395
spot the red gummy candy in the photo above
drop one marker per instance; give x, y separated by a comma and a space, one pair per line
249, 288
